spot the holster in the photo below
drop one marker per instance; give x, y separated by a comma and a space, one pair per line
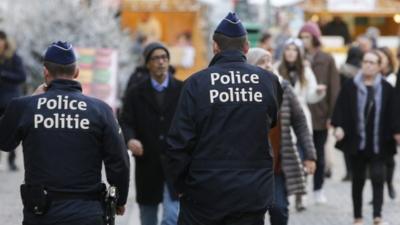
35, 199
110, 204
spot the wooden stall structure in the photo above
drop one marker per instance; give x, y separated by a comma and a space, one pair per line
167, 21
359, 14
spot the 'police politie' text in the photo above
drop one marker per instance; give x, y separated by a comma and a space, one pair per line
61, 106
233, 93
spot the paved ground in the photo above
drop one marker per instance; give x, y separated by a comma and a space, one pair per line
338, 210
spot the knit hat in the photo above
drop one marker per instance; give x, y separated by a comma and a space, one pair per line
297, 42
150, 48
60, 53
231, 26
255, 54
312, 28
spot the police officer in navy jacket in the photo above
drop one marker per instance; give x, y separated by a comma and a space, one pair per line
66, 136
219, 157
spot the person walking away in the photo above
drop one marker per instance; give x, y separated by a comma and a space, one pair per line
218, 138
66, 137
289, 172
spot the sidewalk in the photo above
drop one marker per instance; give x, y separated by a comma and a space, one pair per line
338, 210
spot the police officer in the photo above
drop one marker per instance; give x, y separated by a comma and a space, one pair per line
66, 136
219, 157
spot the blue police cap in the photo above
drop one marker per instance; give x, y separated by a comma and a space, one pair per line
231, 26
60, 53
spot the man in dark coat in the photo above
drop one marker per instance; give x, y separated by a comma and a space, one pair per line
66, 137
146, 116
219, 158
12, 75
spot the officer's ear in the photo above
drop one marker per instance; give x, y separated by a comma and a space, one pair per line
246, 47
46, 73
76, 75
216, 48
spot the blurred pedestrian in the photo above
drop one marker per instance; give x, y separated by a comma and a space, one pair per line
324, 68
337, 27
396, 113
388, 65
12, 76
364, 131
288, 170
294, 68
266, 42
373, 34
347, 72
388, 72
147, 111
365, 43
352, 64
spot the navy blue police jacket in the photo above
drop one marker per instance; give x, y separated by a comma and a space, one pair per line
66, 136
219, 155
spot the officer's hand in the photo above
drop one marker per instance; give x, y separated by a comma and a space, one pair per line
309, 166
120, 210
397, 138
136, 147
41, 89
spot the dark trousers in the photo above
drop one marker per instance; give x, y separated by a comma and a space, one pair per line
347, 161
390, 165
95, 220
192, 214
279, 212
11, 155
320, 137
376, 167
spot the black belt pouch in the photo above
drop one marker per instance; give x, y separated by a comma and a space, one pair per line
35, 199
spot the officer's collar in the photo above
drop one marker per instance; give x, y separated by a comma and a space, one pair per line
66, 85
228, 56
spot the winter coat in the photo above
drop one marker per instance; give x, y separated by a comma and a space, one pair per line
396, 117
141, 118
307, 94
324, 68
219, 154
292, 116
346, 116
12, 75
